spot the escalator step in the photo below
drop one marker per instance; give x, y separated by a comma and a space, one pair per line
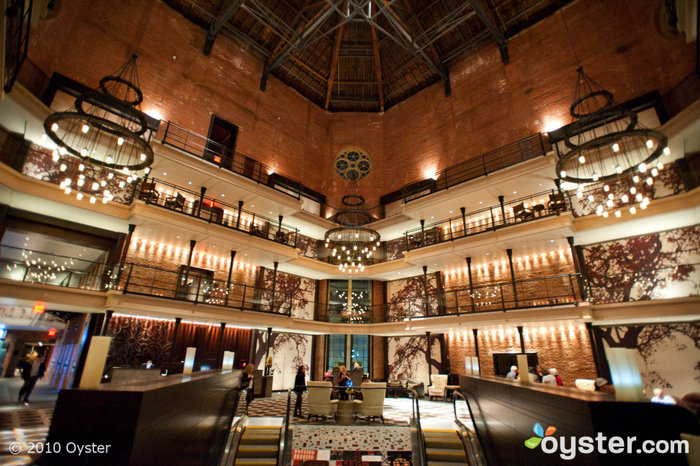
260, 439
256, 462
448, 463
257, 451
450, 443
446, 454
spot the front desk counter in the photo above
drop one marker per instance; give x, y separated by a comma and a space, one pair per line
174, 420
505, 412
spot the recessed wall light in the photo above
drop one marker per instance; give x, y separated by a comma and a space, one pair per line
189, 182
223, 195
165, 173
515, 192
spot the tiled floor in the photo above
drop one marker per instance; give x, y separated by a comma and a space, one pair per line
363, 444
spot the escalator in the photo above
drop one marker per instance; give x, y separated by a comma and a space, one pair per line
455, 445
259, 445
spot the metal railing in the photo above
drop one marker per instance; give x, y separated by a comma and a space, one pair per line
415, 423
471, 441
510, 154
17, 17
153, 281
218, 154
176, 198
525, 209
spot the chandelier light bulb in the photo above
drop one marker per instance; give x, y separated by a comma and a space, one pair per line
654, 172
62, 150
104, 200
84, 152
642, 167
606, 188
633, 210
79, 196
581, 159
54, 127
611, 196
667, 151
618, 169
63, 167
85, 129
605, 214
660, 165
95, 186
650, 143
591, 198
120, 141
147, 170
54, 155
625, 198
67, 190
143, 157
638, 197
81, 182
609, 203
579, 194
635, 178
562, 174
595, 176
616, 147
109, 159
339, 238
618, 214
110, 176
103, 183
81, 167
122, 184
93, 199
599, 209
633, 190
650, 181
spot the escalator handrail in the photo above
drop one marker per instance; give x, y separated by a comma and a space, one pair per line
235, 434
415, 413
285, 434
458, 394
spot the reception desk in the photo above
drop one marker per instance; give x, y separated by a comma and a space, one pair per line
505, 412
174, 420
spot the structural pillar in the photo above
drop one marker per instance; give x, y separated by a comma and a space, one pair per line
230, 271
475, 332
425, 289
427, 355
178, 320
512, 275
464, 220
202, 191
577, 256
105, 324
522, 340
274, 284
422, 232
267, 351
220, 352
189, 262
240, 209
501, 200
471, 283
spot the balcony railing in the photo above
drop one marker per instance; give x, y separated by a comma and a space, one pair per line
511, 154
540, 205
152, 281
178, 199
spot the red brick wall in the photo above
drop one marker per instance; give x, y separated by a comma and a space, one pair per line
617, 42
564, 347
153, 255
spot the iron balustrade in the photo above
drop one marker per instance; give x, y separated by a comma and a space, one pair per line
176, 198
218, 154
530, 293
524, 209
169, 284
506, 156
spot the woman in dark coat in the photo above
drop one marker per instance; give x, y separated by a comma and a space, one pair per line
299, 389
247, 384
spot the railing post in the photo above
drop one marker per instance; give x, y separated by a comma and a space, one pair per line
422, 232
501, 199
165, 135
493, 222
202, 190
503, 301
456, 293
464, 220
128, 278
512, 275
199, 285
238, 220
471, 283
451, 236
245, 288
571, 283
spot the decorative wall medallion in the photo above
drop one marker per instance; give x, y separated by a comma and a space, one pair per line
352, 164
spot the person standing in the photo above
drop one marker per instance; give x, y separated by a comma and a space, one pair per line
299, 389
513, 374
32, 371
343, 378
247, 384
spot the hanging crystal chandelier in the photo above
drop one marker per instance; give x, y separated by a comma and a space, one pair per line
352, 243
613, 160
102, 143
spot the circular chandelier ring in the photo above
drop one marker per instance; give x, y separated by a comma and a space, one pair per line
352, 217
608, 139
367, 231
353, 200
614, 113
608, 104
127, 83
107, 103
98, 122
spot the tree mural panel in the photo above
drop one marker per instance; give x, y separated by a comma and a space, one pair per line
407, 358
655, 266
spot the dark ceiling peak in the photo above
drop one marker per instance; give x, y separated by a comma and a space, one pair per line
363, 55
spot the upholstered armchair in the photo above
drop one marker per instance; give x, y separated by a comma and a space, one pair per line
372, 403
320, 403
438, 385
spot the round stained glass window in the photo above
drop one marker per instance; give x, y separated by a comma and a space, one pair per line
352, 164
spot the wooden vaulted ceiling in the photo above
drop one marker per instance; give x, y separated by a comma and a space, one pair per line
363, 55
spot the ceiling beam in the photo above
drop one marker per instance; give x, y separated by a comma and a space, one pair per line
334, 58
495, 31
298, 42
414, 48
215, 26
378, 67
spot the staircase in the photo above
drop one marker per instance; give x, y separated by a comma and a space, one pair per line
444, 448
259, 446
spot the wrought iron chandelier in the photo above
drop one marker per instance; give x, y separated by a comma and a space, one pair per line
102, 143
613, 159
352, 243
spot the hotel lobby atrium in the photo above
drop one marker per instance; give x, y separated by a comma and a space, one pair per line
447, 203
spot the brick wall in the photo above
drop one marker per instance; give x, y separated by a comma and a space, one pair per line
564, 347
491, 104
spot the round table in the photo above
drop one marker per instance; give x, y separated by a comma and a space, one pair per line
345, 413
